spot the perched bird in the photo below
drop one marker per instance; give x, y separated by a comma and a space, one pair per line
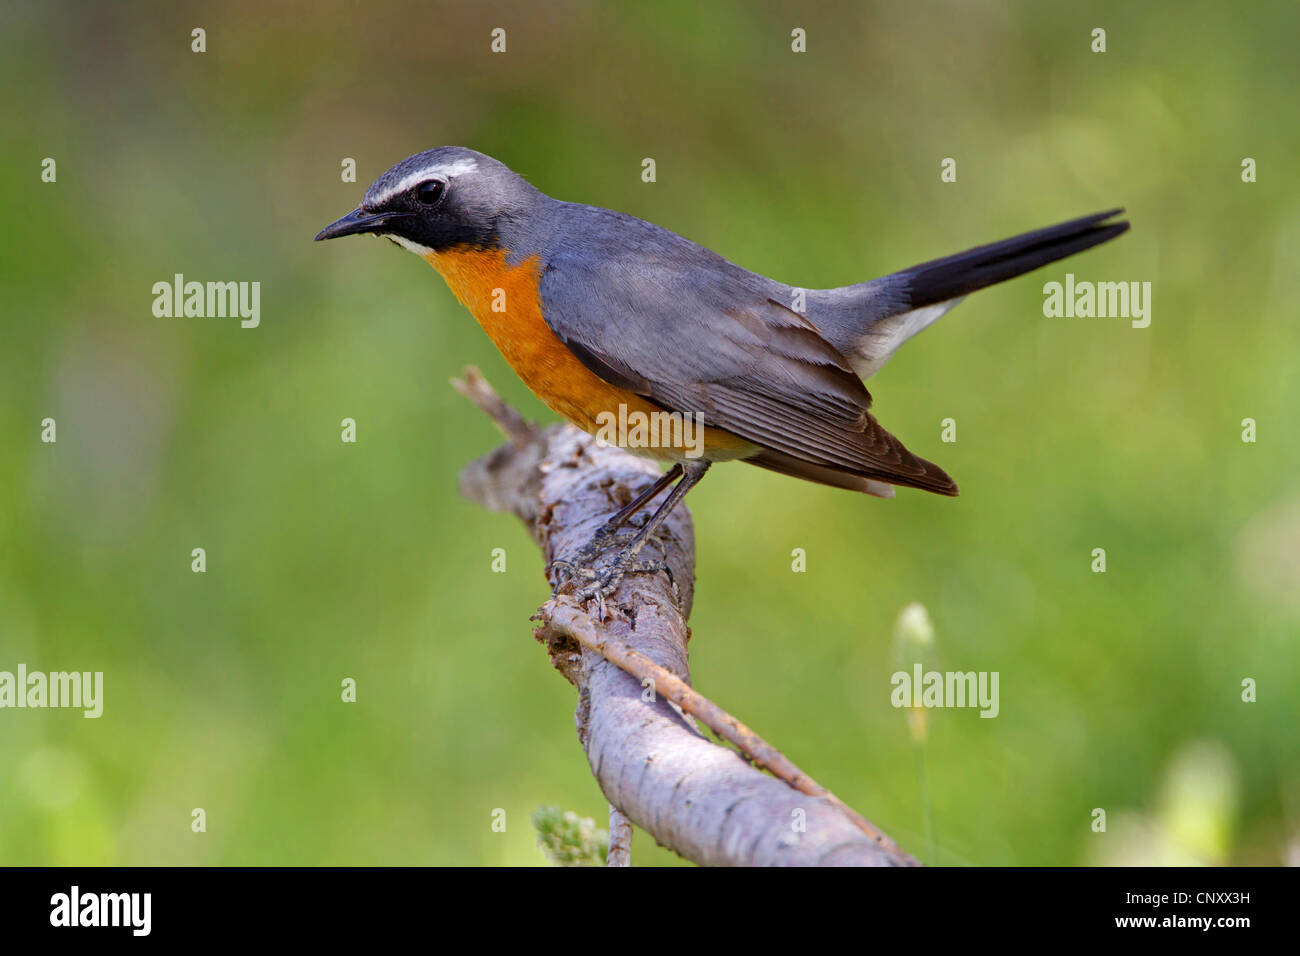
601, 314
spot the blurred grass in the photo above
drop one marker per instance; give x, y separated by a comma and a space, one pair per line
328, 560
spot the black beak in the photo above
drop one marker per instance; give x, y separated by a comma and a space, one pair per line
359, 221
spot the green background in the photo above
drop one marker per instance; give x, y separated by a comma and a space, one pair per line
1119, 691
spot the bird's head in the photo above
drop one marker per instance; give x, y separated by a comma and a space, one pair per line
441, 199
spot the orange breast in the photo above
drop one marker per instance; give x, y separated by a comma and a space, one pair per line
482, 279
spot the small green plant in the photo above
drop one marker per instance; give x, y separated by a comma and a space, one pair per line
914, 643
568, 839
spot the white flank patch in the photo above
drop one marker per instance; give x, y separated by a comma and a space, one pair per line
883, 338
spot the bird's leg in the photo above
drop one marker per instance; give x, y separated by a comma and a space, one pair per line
579, 563
606, 581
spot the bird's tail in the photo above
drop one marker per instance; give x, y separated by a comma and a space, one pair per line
954, 276
881, 315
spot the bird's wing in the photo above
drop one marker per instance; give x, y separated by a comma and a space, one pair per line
662, 317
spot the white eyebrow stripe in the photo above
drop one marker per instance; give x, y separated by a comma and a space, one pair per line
444, 171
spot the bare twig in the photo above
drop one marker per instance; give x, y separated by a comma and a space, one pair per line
513, 425
620, 839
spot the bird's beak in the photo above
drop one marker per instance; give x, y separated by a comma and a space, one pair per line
358, 221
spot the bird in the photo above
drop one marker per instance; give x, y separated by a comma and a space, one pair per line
601, 313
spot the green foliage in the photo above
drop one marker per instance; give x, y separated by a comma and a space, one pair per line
568, 839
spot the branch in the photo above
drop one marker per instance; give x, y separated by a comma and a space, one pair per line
704, 801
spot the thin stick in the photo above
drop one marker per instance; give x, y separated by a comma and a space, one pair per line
510, 423
573, 622
620, 838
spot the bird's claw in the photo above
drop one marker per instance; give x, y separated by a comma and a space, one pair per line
600, 584
581, 564
566, 571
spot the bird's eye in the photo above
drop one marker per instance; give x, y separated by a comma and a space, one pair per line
429, 191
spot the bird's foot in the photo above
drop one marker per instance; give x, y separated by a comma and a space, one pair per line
603, 583
581, 565
588, 582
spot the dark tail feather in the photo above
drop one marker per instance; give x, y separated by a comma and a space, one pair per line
953, 276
